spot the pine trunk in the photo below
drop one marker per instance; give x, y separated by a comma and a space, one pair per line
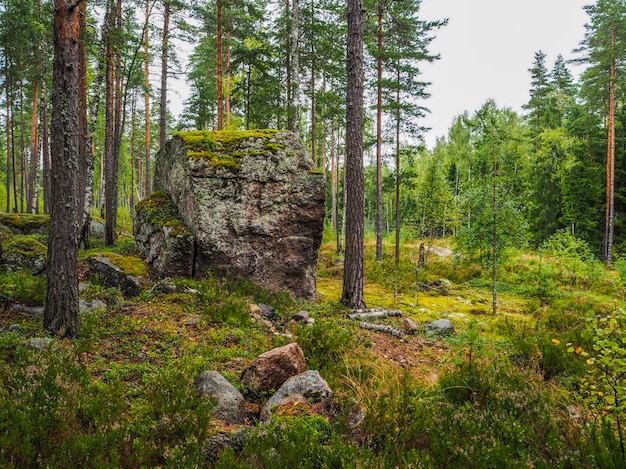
610, 161
61, 309
164, 61
109, 127
146, 100
352, 294
219, 66
379, 138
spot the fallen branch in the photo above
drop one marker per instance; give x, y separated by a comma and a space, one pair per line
379, 313
381, 328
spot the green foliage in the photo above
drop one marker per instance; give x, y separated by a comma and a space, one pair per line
302, 442
574, 255
325, 344
605, 385
23, 288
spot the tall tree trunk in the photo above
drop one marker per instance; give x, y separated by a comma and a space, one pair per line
85, 148
352, 294
398, 180
219, 66
146, 100
164, 61
313, 71
45, 148
9, 125
379, 139
610, 161
32, 185
295, 67
61, 309
494, 241
227, 82
109, 126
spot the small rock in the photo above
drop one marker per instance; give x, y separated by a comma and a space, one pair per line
42, 344
86, 306
255, 310
14, 328
221, 441
230, 405
271, 369
310, 321
440, 326
192, 320
307, 387
409, 326
301, 316
268, 312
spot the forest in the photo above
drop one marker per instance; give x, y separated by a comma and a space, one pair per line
521, 216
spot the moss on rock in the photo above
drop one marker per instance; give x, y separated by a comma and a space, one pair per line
222, 148
25, 223
160, 209
129, 265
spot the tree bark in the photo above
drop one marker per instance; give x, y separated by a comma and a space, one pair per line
219, 67
379, 137
164, 61
146, 100
109, 125
352, 294
610, 161
61, 309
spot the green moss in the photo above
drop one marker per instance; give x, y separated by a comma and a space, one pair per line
130, 265
316, 171
161, 210
23, 221
220, 147
27, 246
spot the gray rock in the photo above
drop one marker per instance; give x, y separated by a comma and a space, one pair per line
440, 326
223, 440
271, 369
163, 238
25, 253
86, 306
305, 387
113, 276
96, 229
229, 402
253, 202
42, 344
14, 328
301, 316
267, 312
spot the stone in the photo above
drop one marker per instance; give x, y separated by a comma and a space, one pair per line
255, 310
253, 201
229, 402
14, 328
163, 238
97, 229
271, 369
42, 344
221, 441
25, 223
307, 387
268, 312
87, 306
409, 325
440, 326
301, 316
113, 276
25, 253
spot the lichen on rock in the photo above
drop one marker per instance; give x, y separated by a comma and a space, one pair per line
252, 202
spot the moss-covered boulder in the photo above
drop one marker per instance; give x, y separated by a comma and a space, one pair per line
127, 273
253, 202
24, 253
162, 236
25, 223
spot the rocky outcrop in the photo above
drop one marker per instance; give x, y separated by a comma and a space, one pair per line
164, 239
24, 253
114, 271
253, 202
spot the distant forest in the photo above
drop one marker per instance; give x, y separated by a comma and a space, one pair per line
560, 166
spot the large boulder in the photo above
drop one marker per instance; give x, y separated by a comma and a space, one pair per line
253, 201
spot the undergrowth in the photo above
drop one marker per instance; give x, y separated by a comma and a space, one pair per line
539, 385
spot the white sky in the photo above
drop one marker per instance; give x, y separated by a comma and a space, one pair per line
487, 48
